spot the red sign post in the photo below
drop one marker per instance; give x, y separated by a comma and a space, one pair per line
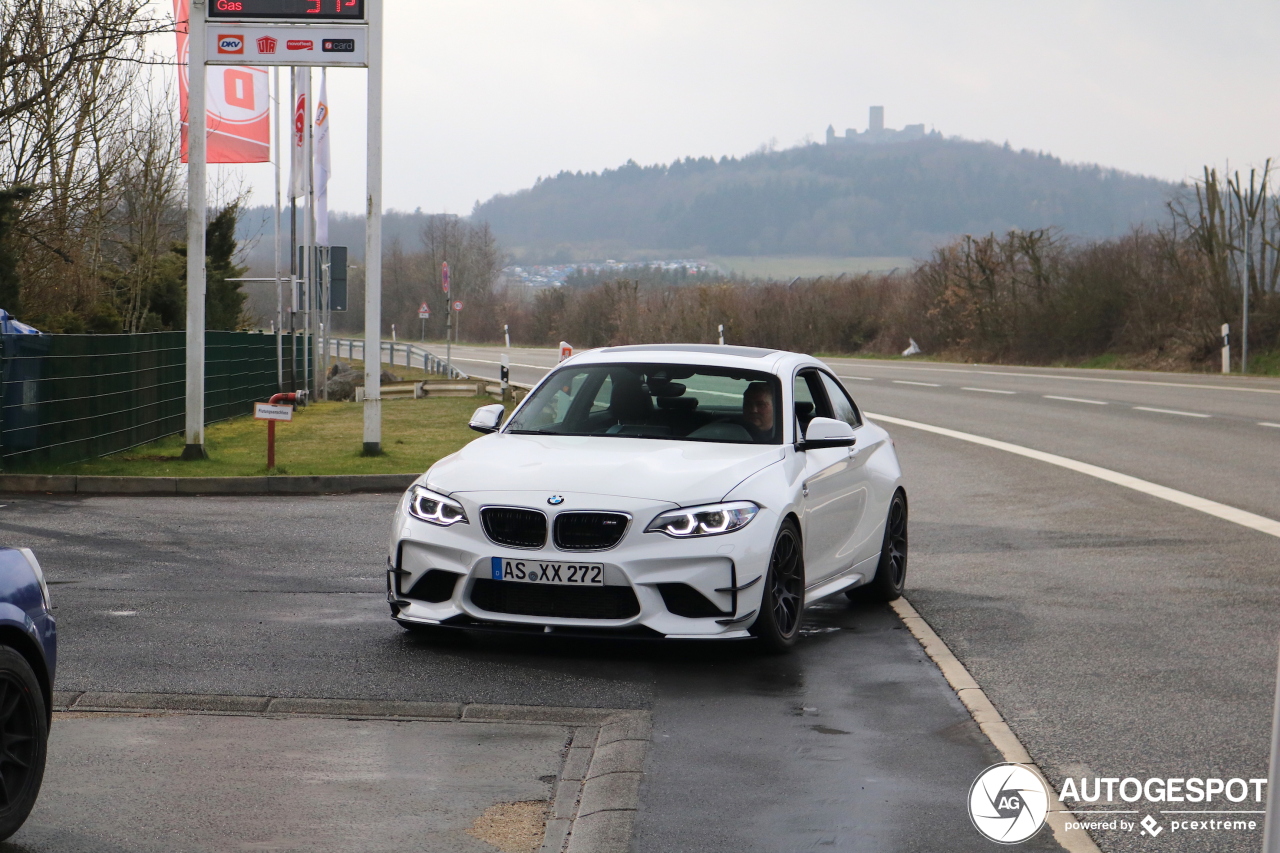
271, 412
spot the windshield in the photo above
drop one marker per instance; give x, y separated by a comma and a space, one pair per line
678, 402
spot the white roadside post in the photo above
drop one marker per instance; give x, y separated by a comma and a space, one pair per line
196, 142
721, 334
1271, 830
373, 243
1226, 347
506, 334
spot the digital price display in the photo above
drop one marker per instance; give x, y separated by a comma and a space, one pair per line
288, 10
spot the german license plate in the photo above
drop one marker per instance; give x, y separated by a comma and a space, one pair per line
537, 571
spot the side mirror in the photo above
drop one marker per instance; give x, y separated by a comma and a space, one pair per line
827, 432
487, 418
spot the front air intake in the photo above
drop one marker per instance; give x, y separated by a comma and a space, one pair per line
518, 528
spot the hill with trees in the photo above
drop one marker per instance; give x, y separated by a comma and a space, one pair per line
894, 199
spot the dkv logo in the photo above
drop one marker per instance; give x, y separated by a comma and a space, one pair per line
230, 44
1008, 803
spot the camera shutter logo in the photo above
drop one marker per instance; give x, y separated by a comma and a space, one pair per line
1008, 803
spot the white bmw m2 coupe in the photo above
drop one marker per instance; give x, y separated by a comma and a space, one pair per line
672, 490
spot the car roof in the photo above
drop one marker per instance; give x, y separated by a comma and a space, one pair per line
747, 358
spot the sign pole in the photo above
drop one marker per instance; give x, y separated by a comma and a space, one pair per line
196, 141
373, 244
277, 140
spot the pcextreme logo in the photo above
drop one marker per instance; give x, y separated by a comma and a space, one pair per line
1008, 803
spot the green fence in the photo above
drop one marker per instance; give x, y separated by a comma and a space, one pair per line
71, 397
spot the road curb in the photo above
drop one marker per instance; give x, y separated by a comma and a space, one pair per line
593, 805
327, 484
990, 722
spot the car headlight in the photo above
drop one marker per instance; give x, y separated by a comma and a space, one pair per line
430, 507
704, 520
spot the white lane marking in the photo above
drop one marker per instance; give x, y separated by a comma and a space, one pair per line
1076, 378
1172, 412
1264, 423
1227, 513
908, 382
987, 390
1075, 400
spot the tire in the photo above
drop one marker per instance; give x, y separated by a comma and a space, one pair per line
891, 571
782, 602
24, 739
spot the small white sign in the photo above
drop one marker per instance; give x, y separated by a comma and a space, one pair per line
287, 44
424, 312
269, 412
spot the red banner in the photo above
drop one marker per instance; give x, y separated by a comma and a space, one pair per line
237, 104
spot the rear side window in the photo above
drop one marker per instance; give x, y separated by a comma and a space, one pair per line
842, 407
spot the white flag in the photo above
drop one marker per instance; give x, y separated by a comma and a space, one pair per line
298, 162
322, 163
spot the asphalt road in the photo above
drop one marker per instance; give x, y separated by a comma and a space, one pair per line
1119, 634
855, 742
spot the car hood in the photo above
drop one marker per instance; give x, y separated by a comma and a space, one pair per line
682, 472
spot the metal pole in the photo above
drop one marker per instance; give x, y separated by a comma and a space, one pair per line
196, 154
1244, 275
293, 247
373, 242
308, 239
1271, 830
448, 330
277, 139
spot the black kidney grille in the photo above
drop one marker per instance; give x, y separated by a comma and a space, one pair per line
519, 528
589, 531
568, 602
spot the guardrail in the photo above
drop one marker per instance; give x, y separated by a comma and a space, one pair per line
408, 355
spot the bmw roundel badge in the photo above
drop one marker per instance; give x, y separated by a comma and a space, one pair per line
555, 500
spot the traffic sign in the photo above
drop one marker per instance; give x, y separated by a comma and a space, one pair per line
457, 306
566, 351
444, 275
424, 311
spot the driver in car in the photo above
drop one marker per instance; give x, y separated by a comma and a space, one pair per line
757, 411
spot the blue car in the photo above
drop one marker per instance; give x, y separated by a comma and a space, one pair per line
28, 654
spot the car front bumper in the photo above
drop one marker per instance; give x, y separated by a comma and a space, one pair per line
699, 588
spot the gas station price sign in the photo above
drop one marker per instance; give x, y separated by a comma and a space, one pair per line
287, 10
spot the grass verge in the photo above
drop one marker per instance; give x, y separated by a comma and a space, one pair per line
323, 438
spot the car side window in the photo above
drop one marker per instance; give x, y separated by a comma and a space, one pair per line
810, 400
843, 407
603, 396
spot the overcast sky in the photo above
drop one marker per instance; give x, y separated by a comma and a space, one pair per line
485, 96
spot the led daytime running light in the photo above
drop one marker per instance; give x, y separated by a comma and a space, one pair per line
704, 520
432, 508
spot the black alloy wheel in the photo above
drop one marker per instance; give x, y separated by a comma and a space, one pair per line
782, 604
24, 735
891, 572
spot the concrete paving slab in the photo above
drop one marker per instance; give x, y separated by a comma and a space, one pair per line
182, 783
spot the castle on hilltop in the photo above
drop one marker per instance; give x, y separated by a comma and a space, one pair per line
877, 133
